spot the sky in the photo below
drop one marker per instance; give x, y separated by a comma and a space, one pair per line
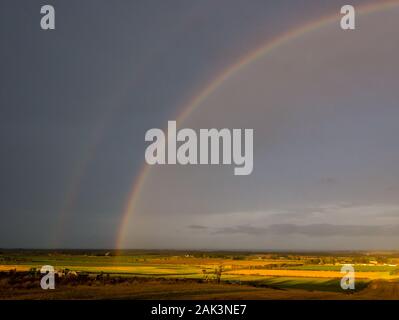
76, 102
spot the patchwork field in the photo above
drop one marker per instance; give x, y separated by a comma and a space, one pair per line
197, 275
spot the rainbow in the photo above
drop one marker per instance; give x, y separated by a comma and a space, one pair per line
140, 180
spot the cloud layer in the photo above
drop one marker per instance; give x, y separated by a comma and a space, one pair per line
313, 230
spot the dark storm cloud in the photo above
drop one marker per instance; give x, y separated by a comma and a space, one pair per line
197, 227
75, 104
325, 230
311, 211
313, 230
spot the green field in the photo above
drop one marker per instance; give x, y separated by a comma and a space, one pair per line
359, 268
276, 273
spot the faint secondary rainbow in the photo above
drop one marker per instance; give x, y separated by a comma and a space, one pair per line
140, 180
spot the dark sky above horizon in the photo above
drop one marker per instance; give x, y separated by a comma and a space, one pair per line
75, 104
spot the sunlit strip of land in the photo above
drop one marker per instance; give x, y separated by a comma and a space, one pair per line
221, 275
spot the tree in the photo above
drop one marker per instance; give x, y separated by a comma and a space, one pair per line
218, 273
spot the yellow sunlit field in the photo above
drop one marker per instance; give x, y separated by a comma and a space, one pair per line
198, 275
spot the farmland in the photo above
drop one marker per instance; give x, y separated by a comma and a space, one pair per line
94, 274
